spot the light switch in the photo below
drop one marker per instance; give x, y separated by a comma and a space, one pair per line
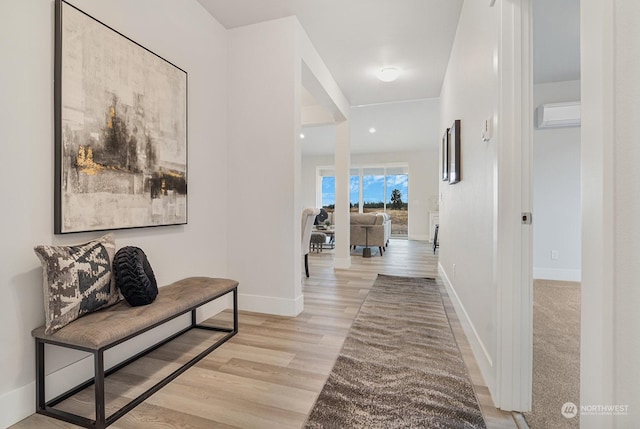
487, 129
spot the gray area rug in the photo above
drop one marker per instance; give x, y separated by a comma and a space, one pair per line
400, 366
556, 354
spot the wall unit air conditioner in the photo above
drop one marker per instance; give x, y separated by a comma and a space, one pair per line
556, 115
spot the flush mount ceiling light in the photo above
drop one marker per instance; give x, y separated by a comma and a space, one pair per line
372, 130
388, 74
301, 135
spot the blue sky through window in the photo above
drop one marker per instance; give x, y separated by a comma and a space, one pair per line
373, 188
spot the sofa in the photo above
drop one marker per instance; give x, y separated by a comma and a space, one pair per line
387, 228
375, 236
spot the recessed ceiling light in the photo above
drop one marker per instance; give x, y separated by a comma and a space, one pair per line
388, 74
372, 130
301, 135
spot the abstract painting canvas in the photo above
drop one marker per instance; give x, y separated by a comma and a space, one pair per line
121, 130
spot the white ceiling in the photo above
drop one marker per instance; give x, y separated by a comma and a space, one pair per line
399, 127
556, 40
357, 37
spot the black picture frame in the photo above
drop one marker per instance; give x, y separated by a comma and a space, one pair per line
445, 156
121, 124
454, 153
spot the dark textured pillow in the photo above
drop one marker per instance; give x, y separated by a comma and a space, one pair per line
77, 280
134, 276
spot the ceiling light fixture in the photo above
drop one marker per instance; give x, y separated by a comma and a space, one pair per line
301, 135
388, 74
372, 130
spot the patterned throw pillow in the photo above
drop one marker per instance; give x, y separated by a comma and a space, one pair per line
77, 280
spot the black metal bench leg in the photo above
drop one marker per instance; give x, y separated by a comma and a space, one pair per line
235, 311
40, 401
99, 389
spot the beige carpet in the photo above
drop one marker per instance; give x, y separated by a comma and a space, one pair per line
400, 366
556, 354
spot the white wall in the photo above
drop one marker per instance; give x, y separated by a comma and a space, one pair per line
466, 234
263, 86
265, 160
184, 34
556, 190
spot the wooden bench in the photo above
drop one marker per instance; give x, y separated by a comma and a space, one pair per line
104, 329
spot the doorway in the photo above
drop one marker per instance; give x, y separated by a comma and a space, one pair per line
557, 214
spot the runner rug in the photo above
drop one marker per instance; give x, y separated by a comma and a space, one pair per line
400, 366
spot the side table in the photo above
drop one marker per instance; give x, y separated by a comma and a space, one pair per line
366, 252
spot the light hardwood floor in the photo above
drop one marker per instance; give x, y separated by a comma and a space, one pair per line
270, 374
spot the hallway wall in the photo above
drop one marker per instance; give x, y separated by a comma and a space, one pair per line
467, 231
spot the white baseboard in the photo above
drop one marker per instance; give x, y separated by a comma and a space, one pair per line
271, 305
480, 352
342, 263
564, 275
420, 237
17, 405
214, 307
299, 304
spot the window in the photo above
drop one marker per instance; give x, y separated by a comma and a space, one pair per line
373, 189
328, 192
354, 190
397, 199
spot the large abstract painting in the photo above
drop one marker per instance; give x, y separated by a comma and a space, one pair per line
121, 130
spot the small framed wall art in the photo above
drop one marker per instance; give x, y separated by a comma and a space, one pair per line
445, 156
120, 130
454, 153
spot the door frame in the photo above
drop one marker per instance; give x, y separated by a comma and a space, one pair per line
513, 197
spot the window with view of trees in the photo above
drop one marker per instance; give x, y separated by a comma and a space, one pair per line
354, 192
397, 191
373, 189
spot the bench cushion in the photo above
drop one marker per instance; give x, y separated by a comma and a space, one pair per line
106, 327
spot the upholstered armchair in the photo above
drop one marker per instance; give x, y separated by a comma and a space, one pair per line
308, 217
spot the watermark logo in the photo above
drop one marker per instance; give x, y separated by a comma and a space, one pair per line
569, 410
604, 410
